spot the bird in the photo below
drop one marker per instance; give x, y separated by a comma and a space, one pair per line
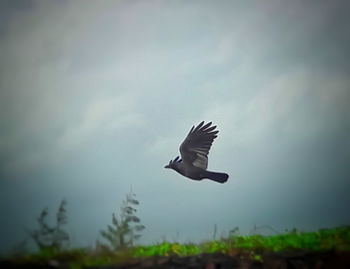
194, 152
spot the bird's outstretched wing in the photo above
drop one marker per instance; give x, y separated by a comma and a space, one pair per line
195, 148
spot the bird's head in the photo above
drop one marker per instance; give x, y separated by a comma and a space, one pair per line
173, 163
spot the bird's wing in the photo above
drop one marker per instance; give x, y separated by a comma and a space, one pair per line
195, 148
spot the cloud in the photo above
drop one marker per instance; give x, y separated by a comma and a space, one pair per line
103, 114
296, 105
210, 65
55, 93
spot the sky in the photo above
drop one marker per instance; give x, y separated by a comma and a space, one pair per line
97, 96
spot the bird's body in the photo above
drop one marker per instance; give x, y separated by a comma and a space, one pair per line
194, 152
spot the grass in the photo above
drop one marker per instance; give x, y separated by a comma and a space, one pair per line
255, 245
325, 239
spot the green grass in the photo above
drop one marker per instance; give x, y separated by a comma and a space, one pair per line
337, 238
255, 245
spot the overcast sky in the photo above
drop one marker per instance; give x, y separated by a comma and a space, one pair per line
96, 97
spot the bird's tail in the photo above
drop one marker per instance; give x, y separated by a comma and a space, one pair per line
218, 177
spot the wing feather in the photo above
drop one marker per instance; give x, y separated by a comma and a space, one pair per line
195, 148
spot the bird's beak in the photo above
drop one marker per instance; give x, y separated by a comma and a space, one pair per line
167, 166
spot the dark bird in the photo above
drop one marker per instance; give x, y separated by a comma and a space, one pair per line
194, 152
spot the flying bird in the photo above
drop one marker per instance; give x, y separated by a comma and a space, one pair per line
194, 152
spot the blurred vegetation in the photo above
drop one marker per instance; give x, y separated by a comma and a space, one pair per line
51, 238
52, 242
126, 229
253, 246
